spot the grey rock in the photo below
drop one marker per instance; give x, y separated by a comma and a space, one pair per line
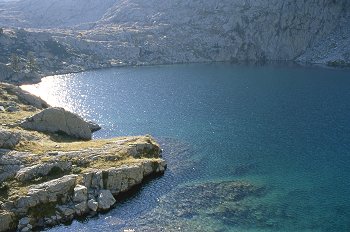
147, 150
12, 109
105, 200
9, 165
55, 120
24, 221
80, 193
7, 220
96, 180
26, 229
81, 208
94, 126
66, 211
32, 172
93, 205
51, 191
8, 139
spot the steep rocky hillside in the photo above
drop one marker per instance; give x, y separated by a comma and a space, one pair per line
124, 32
52, 13
183, 31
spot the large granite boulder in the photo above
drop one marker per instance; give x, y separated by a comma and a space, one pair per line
58, 120
8, 139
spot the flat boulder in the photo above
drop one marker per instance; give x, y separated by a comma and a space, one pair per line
58, 120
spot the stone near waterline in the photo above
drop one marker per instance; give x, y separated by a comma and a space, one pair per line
93, 205
105, 200
146, 149
65, 211
23, 222
94, 126
80, 193
58, 120
81, 208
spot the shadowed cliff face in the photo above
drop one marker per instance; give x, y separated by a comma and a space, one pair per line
176, 31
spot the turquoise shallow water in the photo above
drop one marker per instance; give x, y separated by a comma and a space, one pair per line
284, 129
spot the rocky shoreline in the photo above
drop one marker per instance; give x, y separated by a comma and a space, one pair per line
52, 172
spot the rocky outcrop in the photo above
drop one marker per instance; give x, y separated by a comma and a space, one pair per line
58, 120
40, 170
8, 139
48, 193
51, 191
72, 196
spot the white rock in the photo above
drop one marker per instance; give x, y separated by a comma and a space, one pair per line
80, 193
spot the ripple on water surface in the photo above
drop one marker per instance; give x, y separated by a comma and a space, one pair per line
249, 148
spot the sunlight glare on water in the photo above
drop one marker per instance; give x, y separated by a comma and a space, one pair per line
281, 130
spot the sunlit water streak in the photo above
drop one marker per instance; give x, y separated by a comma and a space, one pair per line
286, 128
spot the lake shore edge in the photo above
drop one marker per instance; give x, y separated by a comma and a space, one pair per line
51, 170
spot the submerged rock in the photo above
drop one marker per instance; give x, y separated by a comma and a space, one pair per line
58, 120
230, 202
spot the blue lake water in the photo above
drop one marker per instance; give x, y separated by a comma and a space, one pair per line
283, 128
